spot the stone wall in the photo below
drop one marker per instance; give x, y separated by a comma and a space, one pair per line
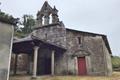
54, 34
6, 33
108, 60
22, 63
92, 47
72, 46
97, 55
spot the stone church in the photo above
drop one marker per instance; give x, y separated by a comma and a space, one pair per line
53, 49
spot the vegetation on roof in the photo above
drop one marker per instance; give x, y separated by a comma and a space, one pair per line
8, 18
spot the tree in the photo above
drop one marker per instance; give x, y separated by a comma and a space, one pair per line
116, 63
8, 18
27, 22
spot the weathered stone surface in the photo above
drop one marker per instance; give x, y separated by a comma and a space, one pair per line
77, 44
6, 33
43, 16
92, 47
95, 48
54, 34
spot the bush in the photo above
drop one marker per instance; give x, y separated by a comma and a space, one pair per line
8, 18
116, 63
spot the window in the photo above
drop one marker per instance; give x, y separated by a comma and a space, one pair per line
50, 22
79, 40
45, 35
43, 20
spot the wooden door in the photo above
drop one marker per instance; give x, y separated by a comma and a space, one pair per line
82, 66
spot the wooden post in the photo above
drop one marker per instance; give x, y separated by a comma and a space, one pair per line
52, 62
36, 48
15, 64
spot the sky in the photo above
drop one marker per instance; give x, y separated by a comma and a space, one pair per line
97, 16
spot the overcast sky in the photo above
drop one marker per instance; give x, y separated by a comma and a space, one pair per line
98, 16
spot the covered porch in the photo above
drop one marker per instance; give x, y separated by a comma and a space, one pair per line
41, 55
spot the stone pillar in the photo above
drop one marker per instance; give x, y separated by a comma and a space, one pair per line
36, 48
15, 64
46, 19
76, 65
39, 20
88, 65
52, 62
55, 18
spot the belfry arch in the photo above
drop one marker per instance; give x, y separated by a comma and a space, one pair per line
47, 15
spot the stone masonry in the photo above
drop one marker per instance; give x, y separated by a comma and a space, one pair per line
94, 47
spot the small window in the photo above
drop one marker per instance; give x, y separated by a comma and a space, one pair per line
50, 21
79, 40
43, 20
46, 35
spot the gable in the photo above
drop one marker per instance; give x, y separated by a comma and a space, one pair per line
104, 37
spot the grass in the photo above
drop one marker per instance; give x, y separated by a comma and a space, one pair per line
115, 76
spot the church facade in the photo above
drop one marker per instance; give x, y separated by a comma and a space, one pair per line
54, 49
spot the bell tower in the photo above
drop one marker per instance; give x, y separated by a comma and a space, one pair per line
43, 16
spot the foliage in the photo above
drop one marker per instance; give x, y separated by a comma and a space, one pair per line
27, 23
116, 63
8, 18
19, 34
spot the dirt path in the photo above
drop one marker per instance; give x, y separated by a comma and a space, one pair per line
115, 76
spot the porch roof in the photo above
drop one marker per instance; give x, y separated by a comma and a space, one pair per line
27, 44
